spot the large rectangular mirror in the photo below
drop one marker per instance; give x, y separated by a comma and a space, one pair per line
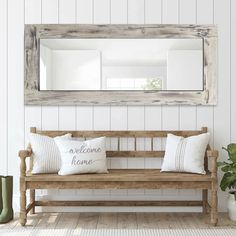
120, 64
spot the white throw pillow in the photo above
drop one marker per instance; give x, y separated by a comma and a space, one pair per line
82, 156
185, 154
46, 155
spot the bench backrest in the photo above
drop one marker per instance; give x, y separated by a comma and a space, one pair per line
138, 144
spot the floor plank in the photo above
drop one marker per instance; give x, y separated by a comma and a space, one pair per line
107, 221
146, 220
127, 220
88, 221
120, 221
68, 221
48, 221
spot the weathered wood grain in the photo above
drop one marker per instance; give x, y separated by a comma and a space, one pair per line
123, 175
119, 184
33, 34
121, 133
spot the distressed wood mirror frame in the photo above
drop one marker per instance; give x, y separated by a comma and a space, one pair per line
33, 34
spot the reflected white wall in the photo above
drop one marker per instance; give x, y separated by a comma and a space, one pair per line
76, 70
184, 70
45, 68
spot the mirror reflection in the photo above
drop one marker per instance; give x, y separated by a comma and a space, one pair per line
121, 64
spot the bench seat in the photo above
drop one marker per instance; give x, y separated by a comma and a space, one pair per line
124, 175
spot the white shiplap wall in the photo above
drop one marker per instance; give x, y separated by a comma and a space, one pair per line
15, 118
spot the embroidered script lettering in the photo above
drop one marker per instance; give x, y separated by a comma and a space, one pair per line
75, 161
84, 149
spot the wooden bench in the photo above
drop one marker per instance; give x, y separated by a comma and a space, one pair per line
122, 178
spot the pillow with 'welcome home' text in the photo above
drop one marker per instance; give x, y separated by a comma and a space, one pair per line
78, 157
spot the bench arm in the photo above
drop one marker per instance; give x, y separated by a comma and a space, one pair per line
23, 154
213, 154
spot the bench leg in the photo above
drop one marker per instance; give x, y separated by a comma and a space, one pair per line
32, 199
23, 216
204, 200
214, 213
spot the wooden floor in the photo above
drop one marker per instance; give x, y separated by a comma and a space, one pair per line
120, 221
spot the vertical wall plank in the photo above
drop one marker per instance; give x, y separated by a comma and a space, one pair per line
170, 118
50, 11
101, 118
67, 118
119, 118
33, 114
84, 11
50, 119
3, 86
170, 11
153, 11
15, 125
222, 110
136, 11
187, 11
50, 114
119, 11
84, 117
67, 11
205, 10
33, 11
233, 71
101, 11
